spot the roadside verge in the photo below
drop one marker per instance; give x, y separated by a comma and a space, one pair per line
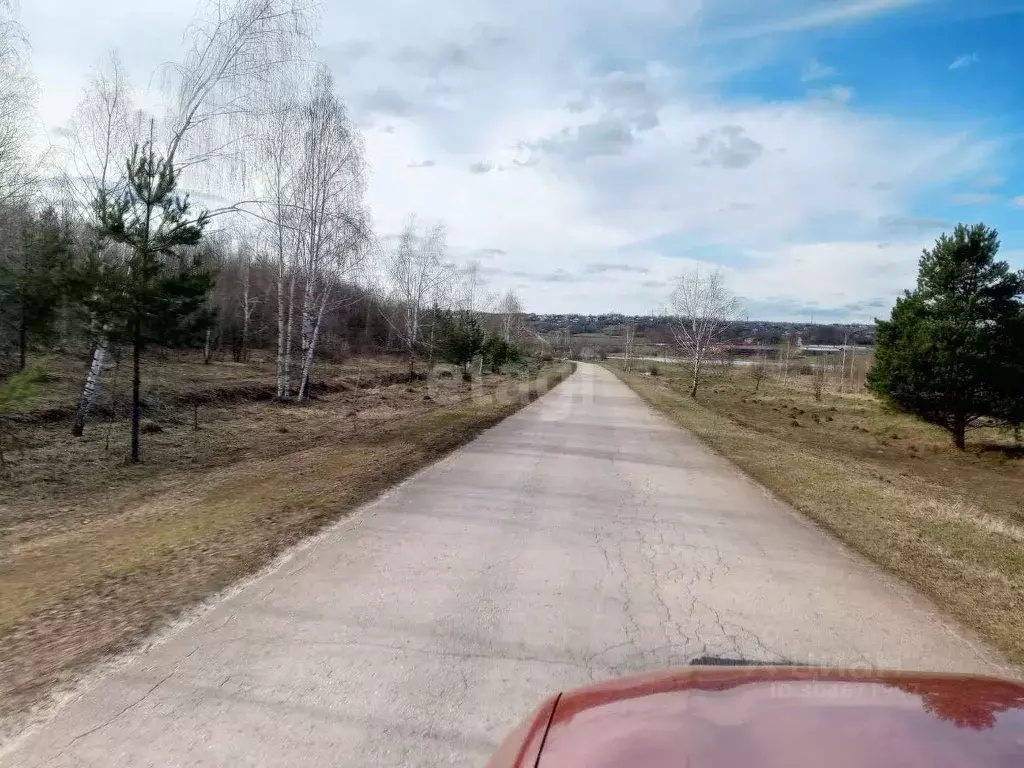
955, 540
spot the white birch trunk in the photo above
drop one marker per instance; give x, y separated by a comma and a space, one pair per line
842, 367
306, 336
281, 320
310, 324
696, 373
247, 308
286, 373
91, 387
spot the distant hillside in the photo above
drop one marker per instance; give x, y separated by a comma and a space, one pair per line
656, 331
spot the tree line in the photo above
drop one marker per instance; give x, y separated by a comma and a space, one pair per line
112, 242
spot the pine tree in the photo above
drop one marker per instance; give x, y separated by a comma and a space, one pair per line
499, 352
156, 294
32, 281
952, 352
460, 338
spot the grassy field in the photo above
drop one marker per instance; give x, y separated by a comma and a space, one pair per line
949, 523
95, 553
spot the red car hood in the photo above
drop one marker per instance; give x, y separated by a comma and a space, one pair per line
776, 717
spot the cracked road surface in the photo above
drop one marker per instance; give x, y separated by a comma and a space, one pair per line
582, 538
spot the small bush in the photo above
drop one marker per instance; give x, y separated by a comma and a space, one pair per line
654, 370
150, 428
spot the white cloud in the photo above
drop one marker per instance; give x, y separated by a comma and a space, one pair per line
836, 94
578, 170
815, 70
989, 180
966, 60
1017, 202
834, 273
973, 198
791, 17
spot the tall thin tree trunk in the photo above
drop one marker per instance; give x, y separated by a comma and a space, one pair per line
696, 375
246, 313
306, 336
136, 387
207, 352
91, 387
281, 310
960, 431
113, 403
313, 335
430, 349
22, 343
367, 334
411, 342
842, 366
288, 334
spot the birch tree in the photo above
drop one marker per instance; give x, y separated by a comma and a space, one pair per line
415, 269
249, 301
235, 51
470, 289
332, 231
510, 313
702, 309
17, 99
279, 160
629, 345
93, 147
842, 365
98, 138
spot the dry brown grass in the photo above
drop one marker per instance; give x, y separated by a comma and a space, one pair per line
93, 558
949, 523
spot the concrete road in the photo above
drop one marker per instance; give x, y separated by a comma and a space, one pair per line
584, 537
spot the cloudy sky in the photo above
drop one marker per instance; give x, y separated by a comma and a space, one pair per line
585, 151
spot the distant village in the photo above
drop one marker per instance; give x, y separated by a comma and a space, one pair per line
811, 337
